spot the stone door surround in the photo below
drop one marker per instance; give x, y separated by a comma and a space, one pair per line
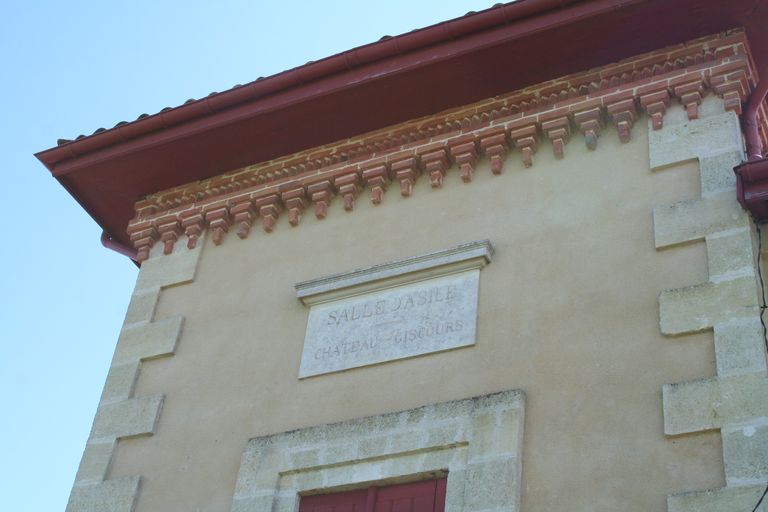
476, 442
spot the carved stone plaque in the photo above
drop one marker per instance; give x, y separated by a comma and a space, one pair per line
429, 309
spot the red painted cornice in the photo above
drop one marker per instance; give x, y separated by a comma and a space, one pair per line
502, 49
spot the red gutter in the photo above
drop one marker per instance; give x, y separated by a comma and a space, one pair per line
752, 175
106, 172
749, 119
111, 243
302, 75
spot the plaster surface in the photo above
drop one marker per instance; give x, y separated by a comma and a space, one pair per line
567, 312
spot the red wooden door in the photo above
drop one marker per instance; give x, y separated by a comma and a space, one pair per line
426, 496
352, 501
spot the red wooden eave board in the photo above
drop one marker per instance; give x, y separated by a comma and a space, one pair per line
499, 50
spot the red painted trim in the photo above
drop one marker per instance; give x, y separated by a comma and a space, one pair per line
749, 121
110, 243
752, 188
312, 81
370, 499
440, 490
338, 64
492, 52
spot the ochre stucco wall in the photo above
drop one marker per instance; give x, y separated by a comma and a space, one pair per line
568, 313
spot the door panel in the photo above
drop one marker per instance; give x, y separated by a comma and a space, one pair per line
416, 497
351, 501
425, 496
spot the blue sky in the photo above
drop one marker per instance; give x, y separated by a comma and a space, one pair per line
69, 68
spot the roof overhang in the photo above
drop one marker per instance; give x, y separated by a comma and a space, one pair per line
498, 50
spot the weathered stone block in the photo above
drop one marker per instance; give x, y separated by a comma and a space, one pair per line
727, 499
286, 504
492, 484
729, 254
508, 434
740, 346
373, 447
444, 435
695, 219
407, 441
147, 341
121, 380
717, 172
708, 404
695, 139
700, 307
162, 271
305, 458
483, 442
95, 462
258, 465
252, 504
745, 454
355, 473
339, 452
309, 480
115, 495
132, 417
436, 460
142, 305
454, 491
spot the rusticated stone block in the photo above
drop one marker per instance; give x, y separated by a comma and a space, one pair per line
147, 341
717, 172
693, 220
729, 254
253, 503
694, 140
129, 418
708, 404
173, 269
727, 499
95, 462
116, 495
142, 305
701, 307
492, 485
120, 381
745, 454
740, 347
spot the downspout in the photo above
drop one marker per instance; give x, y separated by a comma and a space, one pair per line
752, 174
749, 119
111, 243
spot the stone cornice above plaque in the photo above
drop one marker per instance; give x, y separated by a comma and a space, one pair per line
472, 255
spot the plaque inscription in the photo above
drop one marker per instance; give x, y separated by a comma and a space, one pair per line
427, 316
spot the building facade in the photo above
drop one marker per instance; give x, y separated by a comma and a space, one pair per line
533, 289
